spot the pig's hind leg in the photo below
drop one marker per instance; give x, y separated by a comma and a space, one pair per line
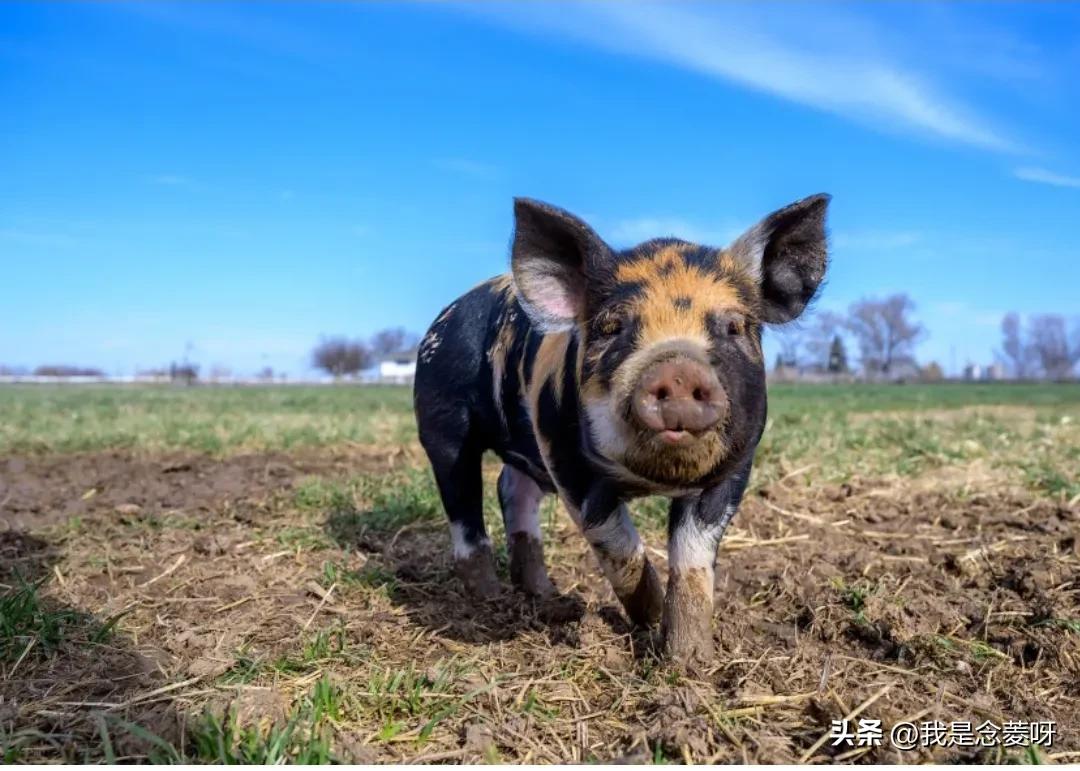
456, 459
519, 498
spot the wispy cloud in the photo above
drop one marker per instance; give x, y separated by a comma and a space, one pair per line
1046, 177
807, 58
466, 167
632, 231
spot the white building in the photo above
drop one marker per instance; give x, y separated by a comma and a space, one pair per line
994, 372
397, 367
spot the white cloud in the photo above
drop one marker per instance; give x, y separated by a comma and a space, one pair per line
830, 64
1046, 177
632, 231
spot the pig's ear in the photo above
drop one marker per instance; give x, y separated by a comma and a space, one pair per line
787, 253
553, 254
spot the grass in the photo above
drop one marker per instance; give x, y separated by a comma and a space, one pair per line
398, 664
222, 419
303, 738
799, 399
209, 419
325, 645
1068, 624
381, 504
27, 623
863, 430
839, 432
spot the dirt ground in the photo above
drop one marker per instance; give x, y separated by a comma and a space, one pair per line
938, 597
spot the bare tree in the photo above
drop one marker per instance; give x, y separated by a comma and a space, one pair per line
789, 341
1050, 346
885, 332
67, 370
820, 338
338, 356
392, 340
1013, 350
1076, 339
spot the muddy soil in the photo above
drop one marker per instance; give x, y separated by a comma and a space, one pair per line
42, 490
930, 602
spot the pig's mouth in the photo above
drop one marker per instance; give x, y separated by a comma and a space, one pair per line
662, 435
673, 456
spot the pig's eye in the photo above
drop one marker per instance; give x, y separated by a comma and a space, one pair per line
609, 327
723, 326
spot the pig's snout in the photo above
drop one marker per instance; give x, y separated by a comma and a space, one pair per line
679, 395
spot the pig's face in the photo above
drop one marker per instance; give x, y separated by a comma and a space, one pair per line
672, 374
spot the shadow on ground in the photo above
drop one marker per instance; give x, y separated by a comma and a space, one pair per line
414, 564
71, 684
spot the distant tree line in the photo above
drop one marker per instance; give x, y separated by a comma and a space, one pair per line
341, 357
63, 370
337, 356
883, 331
1043, 348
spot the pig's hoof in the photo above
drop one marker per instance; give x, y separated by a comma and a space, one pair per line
477, 573
645, 604
527, 568
536, 583
688, 647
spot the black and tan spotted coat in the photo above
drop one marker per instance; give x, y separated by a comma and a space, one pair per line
541, 365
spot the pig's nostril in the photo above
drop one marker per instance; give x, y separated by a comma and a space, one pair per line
679, 395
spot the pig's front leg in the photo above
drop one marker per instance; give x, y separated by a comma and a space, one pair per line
696, 524
617, 545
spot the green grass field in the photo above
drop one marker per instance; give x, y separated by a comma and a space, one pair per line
851, 430
221, 574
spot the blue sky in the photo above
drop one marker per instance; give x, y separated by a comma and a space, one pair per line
245, 178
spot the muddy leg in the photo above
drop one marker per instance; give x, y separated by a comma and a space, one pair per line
456, 463
618, 548
520, 497
696, 524
688, 606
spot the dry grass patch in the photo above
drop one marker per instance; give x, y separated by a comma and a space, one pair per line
300, 606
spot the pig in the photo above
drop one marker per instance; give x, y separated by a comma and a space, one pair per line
601, 375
